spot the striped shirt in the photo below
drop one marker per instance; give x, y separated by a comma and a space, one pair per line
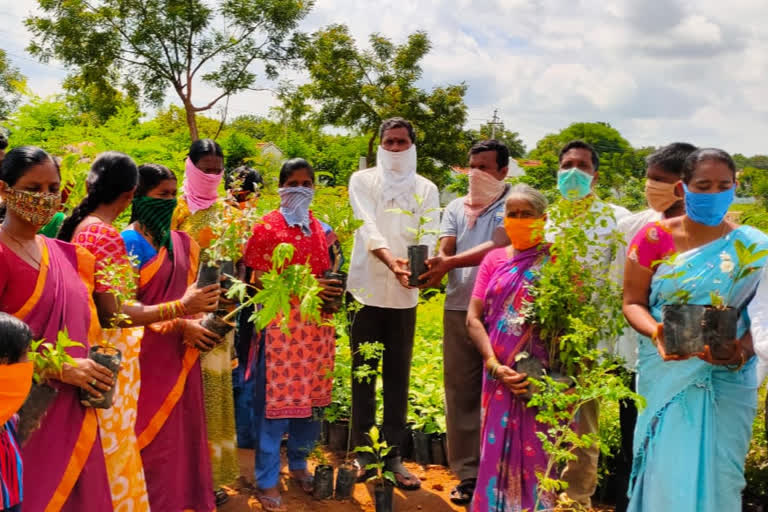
10, 466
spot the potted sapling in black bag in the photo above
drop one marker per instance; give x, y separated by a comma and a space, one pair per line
383, 481
692, 329
418, 252
48, 360
120, 279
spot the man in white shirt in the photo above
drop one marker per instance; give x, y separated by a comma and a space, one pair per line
663, 191
378, 280
579, 165
758, 316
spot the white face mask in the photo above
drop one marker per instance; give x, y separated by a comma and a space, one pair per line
402, 161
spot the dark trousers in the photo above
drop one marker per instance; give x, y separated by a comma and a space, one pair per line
394, 328
627, 421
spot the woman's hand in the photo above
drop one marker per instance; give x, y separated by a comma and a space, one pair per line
201, 300
195, 335
88, 375
331, 289
658, 339
516, 382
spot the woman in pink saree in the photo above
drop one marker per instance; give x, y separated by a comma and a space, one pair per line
48, 284
170, 425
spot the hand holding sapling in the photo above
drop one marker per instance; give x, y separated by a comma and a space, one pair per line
200, 300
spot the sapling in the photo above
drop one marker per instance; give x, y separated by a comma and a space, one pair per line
48, 359
418, 253
383, 480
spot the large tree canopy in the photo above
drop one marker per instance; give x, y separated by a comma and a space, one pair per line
12, 85
358, 88
154, 45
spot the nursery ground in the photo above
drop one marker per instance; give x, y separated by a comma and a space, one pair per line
436, 485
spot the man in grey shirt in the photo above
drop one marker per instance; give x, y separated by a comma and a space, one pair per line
468, 226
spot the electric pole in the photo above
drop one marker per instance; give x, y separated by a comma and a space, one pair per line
495, 122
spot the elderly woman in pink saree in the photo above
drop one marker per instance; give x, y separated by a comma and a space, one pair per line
511, 452
48, 284
170, 425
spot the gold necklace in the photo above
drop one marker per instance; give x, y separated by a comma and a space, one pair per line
23, 248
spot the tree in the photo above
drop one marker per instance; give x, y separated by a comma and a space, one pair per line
359, 88
511, 139
602, 136
152, 45
12, 85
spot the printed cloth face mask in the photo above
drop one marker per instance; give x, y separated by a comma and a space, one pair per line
37, 208
294, 205
574, 184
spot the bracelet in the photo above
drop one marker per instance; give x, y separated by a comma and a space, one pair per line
492, 365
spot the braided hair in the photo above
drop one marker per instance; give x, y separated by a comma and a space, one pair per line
112, 174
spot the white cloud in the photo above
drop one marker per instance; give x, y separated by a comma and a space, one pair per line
658, 70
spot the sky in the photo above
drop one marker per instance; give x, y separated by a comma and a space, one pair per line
657, 70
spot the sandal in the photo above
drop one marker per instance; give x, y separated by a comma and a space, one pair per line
462, 493
270, 503
395, 465
363, 475
307, 483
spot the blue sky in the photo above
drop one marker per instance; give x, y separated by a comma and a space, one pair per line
658, 70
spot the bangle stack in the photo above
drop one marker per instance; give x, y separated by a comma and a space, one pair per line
492, 365
171, 310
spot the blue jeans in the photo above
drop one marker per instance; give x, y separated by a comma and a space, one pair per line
243, 392
268, 433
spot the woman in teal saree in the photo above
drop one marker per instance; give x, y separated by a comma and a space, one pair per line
692, 438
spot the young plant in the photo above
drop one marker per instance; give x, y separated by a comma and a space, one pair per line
121, 280
49, 358
379, 449
572, 286
230, 230
745, 256
280, 286
681, 295
420, 231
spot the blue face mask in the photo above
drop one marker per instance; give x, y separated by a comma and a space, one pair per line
708, 209
574, 184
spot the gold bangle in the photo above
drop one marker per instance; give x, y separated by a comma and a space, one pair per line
491, 362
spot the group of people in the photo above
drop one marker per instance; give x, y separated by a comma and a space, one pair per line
169, 441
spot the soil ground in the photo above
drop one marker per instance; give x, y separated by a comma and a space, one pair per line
436, 485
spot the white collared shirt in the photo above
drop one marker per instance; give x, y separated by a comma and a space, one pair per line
758, 316
370, 281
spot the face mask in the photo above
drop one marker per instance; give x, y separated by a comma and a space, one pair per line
401, 161
155, 214
708, 209
574, 184
484, 189
37, 208
660, 196
294, 205
524, 233
15, 382
201, 190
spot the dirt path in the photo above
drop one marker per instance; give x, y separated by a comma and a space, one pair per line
436, 485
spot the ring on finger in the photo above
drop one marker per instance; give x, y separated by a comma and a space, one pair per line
93, 382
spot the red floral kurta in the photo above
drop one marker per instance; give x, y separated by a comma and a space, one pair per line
299, 366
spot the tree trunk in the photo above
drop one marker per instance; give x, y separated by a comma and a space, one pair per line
370, 148
191, 121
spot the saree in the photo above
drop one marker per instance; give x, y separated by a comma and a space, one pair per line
170, 425
692, 438
118, 423
510, 451
217, 363
63, 460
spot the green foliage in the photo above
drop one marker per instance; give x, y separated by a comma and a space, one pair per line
12, 85
121, 280
49, 358
756, 468
149, 46
511, 139
358, 88
280, 286
754, 215
379, 449
420, 231
427, 393
573, 303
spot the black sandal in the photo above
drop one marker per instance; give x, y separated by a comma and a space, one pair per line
395, 465
363, 475
462, 493
220, 496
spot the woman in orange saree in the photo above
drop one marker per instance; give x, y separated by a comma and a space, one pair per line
64, 467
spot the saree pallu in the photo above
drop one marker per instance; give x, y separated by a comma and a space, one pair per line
692, 438
64, 467
170, 425
510, 451
216, 364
